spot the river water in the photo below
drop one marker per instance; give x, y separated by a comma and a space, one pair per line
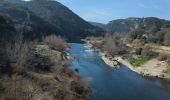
114, 83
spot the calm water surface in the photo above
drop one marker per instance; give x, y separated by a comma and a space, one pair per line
114, 84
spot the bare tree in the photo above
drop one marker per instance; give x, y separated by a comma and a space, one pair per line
55, 42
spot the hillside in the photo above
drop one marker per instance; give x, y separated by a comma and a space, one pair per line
6, 29
26, 21
101, 25
126, 25
43, 17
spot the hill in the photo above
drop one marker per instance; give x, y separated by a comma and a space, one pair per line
126, 25
6, 29
101, 25
43, 17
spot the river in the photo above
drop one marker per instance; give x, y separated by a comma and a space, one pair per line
114, 83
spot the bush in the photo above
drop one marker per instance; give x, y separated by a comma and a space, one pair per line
162, 57
147, 51
138, 51
15, 55
55, 42
17, 89
136, 34
167, 39
168, 60
138, 43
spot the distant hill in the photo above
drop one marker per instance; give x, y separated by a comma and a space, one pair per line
43, 17
126, 25
101, 25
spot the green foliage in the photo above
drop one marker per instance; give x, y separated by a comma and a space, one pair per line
115, 51
139, 61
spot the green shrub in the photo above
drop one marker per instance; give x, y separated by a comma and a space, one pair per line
139, 61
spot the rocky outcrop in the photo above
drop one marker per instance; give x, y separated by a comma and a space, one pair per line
111, 61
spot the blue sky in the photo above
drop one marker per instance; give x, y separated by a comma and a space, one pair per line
107, 10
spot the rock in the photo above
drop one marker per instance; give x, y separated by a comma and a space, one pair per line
77, 70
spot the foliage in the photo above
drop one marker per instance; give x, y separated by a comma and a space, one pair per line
136, 34
126, 25
40, 18
139, 61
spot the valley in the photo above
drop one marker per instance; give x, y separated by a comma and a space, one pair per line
57, 50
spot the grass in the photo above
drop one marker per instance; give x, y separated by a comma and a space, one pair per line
44, 50
139, 61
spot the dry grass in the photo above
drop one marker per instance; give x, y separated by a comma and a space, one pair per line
55, 82
138, 43
17, 88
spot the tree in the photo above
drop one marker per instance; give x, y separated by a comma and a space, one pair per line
110, 44
136, 34
167, 39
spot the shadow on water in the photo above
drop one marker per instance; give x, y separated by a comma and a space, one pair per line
114, 83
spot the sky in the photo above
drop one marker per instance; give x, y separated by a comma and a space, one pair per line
104, 11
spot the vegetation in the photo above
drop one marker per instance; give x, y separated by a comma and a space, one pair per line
29, 72
167, 38
40, 21
162, 57
113, 46
55, 42
129, 24
168, 61
138, 61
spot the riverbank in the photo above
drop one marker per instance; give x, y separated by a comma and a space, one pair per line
153, 68
109, 83
44, 75
112, 62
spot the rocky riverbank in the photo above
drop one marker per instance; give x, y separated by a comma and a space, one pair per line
153, 68
111, 61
